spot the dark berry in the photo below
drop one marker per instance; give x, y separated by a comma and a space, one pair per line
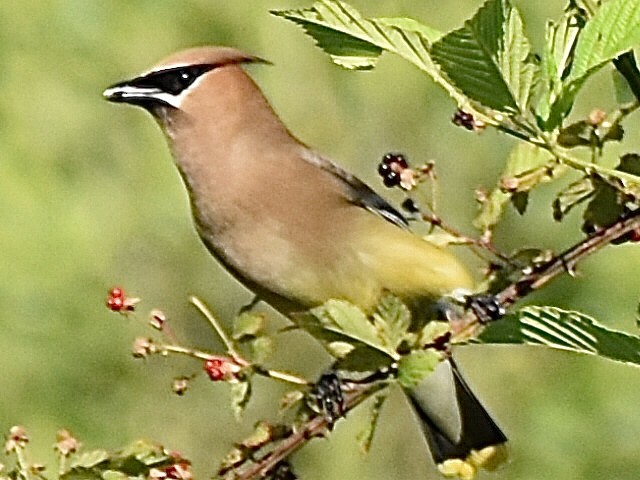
392, 179
384, 169
463, 119
397, 159
410, 206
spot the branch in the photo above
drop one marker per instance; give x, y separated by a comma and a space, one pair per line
467, 326
315, 427
566, 261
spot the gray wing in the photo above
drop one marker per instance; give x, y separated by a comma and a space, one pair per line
358, 192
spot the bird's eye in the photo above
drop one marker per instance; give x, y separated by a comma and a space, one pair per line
174, 80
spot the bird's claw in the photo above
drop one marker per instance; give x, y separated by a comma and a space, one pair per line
329, 397
486, 307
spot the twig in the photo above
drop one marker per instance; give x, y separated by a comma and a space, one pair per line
467, 326
315, 427
200, 305
567, 260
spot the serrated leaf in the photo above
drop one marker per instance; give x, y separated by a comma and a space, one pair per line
563, 330
356, 42
240, 396
489, 58
353, 41
528, 166
614, 29
392, 319
417, 365
349, 321
560, 40
365, 437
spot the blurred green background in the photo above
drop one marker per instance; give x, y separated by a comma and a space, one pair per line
89, 199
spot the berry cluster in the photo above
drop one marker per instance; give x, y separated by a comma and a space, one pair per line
391, 168
467, 120
117, 301
463, 119
221, 369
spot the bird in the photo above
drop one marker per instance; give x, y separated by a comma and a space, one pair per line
296, 228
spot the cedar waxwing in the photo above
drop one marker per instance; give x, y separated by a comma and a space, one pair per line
297, 229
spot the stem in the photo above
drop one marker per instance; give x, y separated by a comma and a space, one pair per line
282, 376
468, 325
199, 304
23, 466
197, 354
275, 374
317, 426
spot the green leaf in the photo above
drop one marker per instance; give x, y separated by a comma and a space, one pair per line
489, 58
614, 29
362, 359
262, 348
392, 319
527, 166
114, 475
612, 196
356, 42
81, 473
564, 330
433, 331
560, 41
365, 437
417, 365
240, 396
572, 196
341, 317
248, 325
89, 459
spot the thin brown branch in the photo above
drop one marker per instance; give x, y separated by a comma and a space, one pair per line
315, 427
566, 261
467, 326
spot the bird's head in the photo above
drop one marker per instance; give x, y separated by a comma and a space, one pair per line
185, 81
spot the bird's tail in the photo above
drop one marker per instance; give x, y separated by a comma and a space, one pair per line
461, 434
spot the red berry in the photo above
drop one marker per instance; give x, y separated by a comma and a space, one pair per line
115, 303
116, 292
215, 369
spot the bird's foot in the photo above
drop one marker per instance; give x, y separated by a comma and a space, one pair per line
486, 307
329, 397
